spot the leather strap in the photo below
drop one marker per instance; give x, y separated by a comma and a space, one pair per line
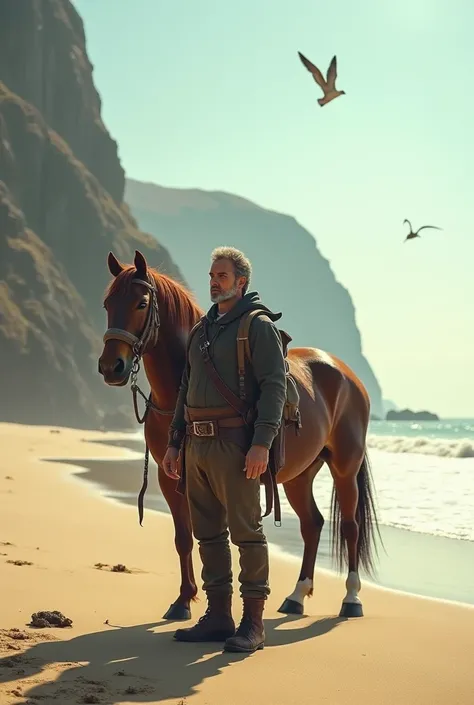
209, 413
232, 399
243, 347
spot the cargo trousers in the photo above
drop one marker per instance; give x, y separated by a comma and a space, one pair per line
221, 501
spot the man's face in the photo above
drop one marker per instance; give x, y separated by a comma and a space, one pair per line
224, 284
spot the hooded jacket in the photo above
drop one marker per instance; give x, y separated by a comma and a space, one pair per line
265, 381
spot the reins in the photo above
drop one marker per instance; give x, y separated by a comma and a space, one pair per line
149, 335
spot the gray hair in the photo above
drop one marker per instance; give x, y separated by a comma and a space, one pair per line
241, 263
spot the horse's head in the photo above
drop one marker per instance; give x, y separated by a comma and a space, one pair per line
132, 318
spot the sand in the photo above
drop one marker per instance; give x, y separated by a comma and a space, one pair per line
119, 650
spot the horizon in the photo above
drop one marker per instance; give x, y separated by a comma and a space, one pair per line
256, 110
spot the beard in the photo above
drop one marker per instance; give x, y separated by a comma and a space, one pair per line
218, 297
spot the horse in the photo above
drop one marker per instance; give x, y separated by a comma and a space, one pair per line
149, 317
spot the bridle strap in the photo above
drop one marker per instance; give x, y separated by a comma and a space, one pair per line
119, 334
144, 283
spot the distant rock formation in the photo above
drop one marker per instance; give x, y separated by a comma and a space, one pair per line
61, 210
289, 271
409, 415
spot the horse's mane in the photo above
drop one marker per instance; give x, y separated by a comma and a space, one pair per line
178, 307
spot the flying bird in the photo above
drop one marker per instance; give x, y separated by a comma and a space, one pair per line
328, 86
412, 234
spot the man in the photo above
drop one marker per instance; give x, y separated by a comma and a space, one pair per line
223, 470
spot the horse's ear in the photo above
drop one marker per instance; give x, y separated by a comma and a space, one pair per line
140, 265
114, 265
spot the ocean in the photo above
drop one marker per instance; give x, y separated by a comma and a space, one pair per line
424, 475
424, 489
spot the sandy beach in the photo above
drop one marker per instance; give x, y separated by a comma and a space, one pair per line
119, 650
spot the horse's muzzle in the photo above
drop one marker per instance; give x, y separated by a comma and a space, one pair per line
116, 373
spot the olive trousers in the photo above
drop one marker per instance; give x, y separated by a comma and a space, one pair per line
221, 501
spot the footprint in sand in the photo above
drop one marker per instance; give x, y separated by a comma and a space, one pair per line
10, 641
18, 562
94, 689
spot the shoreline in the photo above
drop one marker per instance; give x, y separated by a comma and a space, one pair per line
119, 651
402, 574
274, 548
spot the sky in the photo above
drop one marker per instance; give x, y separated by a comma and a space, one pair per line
212, 95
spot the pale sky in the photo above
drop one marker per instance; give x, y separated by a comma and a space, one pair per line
211, 94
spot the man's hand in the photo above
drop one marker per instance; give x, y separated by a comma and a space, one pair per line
170, 463
256, 462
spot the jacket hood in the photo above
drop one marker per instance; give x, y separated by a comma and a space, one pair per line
249, 302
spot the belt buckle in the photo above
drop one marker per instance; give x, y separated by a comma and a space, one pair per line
204, 428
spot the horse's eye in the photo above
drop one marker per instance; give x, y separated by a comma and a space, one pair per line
142, 304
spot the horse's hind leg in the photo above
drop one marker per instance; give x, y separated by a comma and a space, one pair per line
299, 493
345, 465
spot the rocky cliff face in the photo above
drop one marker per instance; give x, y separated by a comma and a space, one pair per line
289, 271
43, 59
61, 210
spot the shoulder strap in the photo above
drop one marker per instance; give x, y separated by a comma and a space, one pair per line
243, 347
232, 399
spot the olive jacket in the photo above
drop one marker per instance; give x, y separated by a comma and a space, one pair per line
265, 381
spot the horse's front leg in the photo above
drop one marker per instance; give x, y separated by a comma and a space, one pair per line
181, 607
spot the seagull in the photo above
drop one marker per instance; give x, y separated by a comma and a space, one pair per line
328, 86
411, 234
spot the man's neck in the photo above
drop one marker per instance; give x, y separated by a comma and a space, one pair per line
226, 306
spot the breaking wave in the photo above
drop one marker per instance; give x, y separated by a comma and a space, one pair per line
442, 447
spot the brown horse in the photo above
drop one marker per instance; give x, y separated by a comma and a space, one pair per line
150, 315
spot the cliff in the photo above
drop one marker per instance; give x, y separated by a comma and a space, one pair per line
61, 210
289, 271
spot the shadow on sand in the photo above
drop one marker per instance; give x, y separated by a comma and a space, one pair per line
136, 663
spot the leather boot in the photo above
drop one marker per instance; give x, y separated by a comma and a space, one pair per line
250, 635
216, 624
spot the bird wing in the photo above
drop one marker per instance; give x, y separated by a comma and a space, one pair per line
332, 74
317, 75
433, 227
407, 221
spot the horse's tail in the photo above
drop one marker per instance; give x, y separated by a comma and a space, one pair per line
367, 519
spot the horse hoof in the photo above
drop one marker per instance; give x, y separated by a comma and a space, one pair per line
177, 611
291, 607
351, 609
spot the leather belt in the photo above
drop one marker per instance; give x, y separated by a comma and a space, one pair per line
212, 428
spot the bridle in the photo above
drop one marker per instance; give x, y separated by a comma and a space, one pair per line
148, 338
139, 345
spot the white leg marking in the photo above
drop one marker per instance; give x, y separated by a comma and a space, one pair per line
353, 586
302, 590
